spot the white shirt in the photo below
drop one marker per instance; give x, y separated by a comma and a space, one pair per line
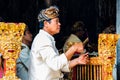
46, 63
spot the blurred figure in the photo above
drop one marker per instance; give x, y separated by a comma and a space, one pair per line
78, 35
23, 60
110, 29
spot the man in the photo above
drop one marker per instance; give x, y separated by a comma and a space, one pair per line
78, 33
46, 63
23, 60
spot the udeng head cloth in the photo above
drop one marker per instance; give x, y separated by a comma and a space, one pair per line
48, 13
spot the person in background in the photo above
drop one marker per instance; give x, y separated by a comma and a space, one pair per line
110, 30
77, 35
23, 60
45, 61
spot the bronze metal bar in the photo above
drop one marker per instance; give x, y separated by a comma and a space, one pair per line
88, 72
97, 72
94, 71
80, 72
91, 72
85, 72
100, 72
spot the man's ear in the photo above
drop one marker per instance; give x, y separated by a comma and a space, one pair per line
46, 23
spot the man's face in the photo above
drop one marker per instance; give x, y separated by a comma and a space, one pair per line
28, 36
53, 27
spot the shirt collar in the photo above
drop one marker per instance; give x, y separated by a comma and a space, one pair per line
46, 33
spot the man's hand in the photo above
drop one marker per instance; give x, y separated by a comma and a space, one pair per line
79, 48
83, 59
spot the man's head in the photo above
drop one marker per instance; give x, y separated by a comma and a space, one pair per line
78, 28
49, 21
48, 13
110, 29
27, 37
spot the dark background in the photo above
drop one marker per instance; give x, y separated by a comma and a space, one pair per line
96, 14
